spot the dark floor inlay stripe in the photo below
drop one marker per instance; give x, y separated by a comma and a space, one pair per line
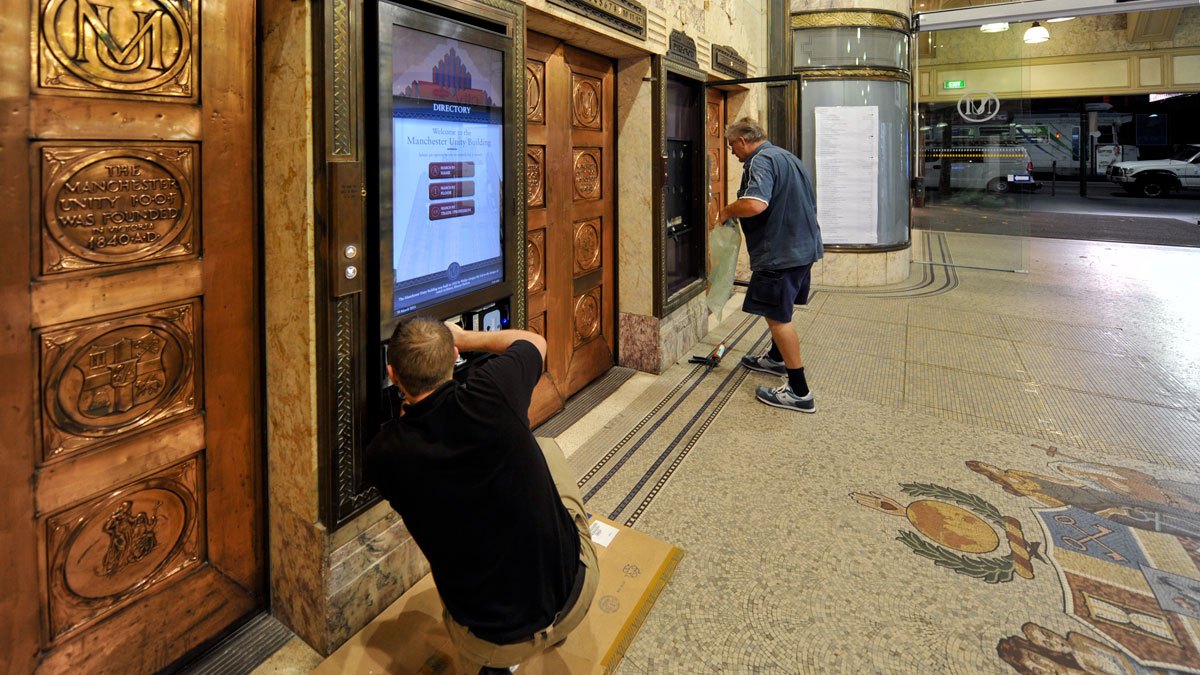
696, 376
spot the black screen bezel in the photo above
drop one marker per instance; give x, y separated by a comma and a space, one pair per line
394, 15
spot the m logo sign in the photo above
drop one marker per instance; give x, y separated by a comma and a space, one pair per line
978, 106
141, 47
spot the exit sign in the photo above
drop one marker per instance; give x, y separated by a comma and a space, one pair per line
954, 84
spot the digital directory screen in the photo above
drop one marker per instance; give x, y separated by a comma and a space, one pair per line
447, 168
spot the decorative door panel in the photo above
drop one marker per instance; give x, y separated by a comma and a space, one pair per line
133, 456
103, 381
570, 215
714, 140
714, 136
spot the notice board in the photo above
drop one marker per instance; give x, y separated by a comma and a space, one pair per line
847, 166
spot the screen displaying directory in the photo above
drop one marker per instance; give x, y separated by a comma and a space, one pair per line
447, 168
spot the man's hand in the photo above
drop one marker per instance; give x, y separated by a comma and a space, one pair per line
457, 332
494, 341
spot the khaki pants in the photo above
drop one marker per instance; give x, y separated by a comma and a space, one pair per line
475, 652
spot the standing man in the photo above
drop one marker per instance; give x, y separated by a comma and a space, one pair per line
779, 218
497, 514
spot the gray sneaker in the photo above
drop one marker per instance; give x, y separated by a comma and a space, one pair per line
764, 364
783, 397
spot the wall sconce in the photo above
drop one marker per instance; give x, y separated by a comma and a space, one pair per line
1036, 33
994, 27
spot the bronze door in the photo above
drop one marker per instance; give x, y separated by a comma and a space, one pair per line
132, 517
714, 140
572, 184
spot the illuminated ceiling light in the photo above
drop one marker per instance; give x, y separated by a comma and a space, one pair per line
994, 27
1036, 33
1060, 19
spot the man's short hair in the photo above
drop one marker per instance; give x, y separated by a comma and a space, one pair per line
421, 352
746, 128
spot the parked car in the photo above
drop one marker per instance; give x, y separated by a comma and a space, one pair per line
995, 168
1158, 177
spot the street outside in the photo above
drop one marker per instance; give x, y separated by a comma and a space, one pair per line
1108, 214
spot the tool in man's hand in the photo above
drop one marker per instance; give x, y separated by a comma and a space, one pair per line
710, 361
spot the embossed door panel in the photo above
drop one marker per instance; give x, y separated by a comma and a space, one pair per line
572, 184
132, 514
714, 141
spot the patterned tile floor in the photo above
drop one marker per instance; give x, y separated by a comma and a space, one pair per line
1002, 475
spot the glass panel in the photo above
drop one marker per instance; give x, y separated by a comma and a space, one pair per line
975, 146
847, 46
891, 103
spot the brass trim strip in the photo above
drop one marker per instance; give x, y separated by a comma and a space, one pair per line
340, 76
854, 74
859, 18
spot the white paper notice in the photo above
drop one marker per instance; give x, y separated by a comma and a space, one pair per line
602, 533
847, 158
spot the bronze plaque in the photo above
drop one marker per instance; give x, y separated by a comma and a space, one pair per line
106, 379
586, 101
587, 246
105, 205
587, 174
535, 260
587, 316
125, 48
535, 175
112, 548
627, 16
535, 86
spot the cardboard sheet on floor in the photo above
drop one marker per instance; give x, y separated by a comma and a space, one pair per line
409, 636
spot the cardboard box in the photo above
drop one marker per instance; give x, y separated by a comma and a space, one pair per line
409, 637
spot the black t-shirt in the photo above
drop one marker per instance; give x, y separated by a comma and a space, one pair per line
463, 470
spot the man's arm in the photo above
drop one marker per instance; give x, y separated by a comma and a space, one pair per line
494, 341
742, 208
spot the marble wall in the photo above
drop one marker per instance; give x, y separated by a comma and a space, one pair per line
635, 202
652, 345
324, 586
898, 6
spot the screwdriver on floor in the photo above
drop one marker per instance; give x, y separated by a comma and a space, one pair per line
714, 357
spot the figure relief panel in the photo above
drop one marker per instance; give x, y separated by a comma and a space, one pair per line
537, 324
103, 205
587, 246
535, 175
587, 316
133, 49
712, 118
535, 261
535, 91
101, 381
587, 170
107, 551
586, 102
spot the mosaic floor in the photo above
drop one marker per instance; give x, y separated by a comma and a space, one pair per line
1002, 476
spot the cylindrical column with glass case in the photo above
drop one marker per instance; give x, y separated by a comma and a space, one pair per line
855, 84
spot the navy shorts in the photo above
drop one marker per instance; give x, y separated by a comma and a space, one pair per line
773, 293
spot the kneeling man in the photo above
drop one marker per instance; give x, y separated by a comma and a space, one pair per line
498, 515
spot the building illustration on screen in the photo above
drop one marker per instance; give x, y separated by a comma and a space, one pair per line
450, 81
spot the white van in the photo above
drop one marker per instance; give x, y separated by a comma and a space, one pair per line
995, 168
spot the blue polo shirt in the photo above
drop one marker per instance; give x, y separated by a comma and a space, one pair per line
786, 233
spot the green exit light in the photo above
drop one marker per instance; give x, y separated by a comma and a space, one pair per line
954, 84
